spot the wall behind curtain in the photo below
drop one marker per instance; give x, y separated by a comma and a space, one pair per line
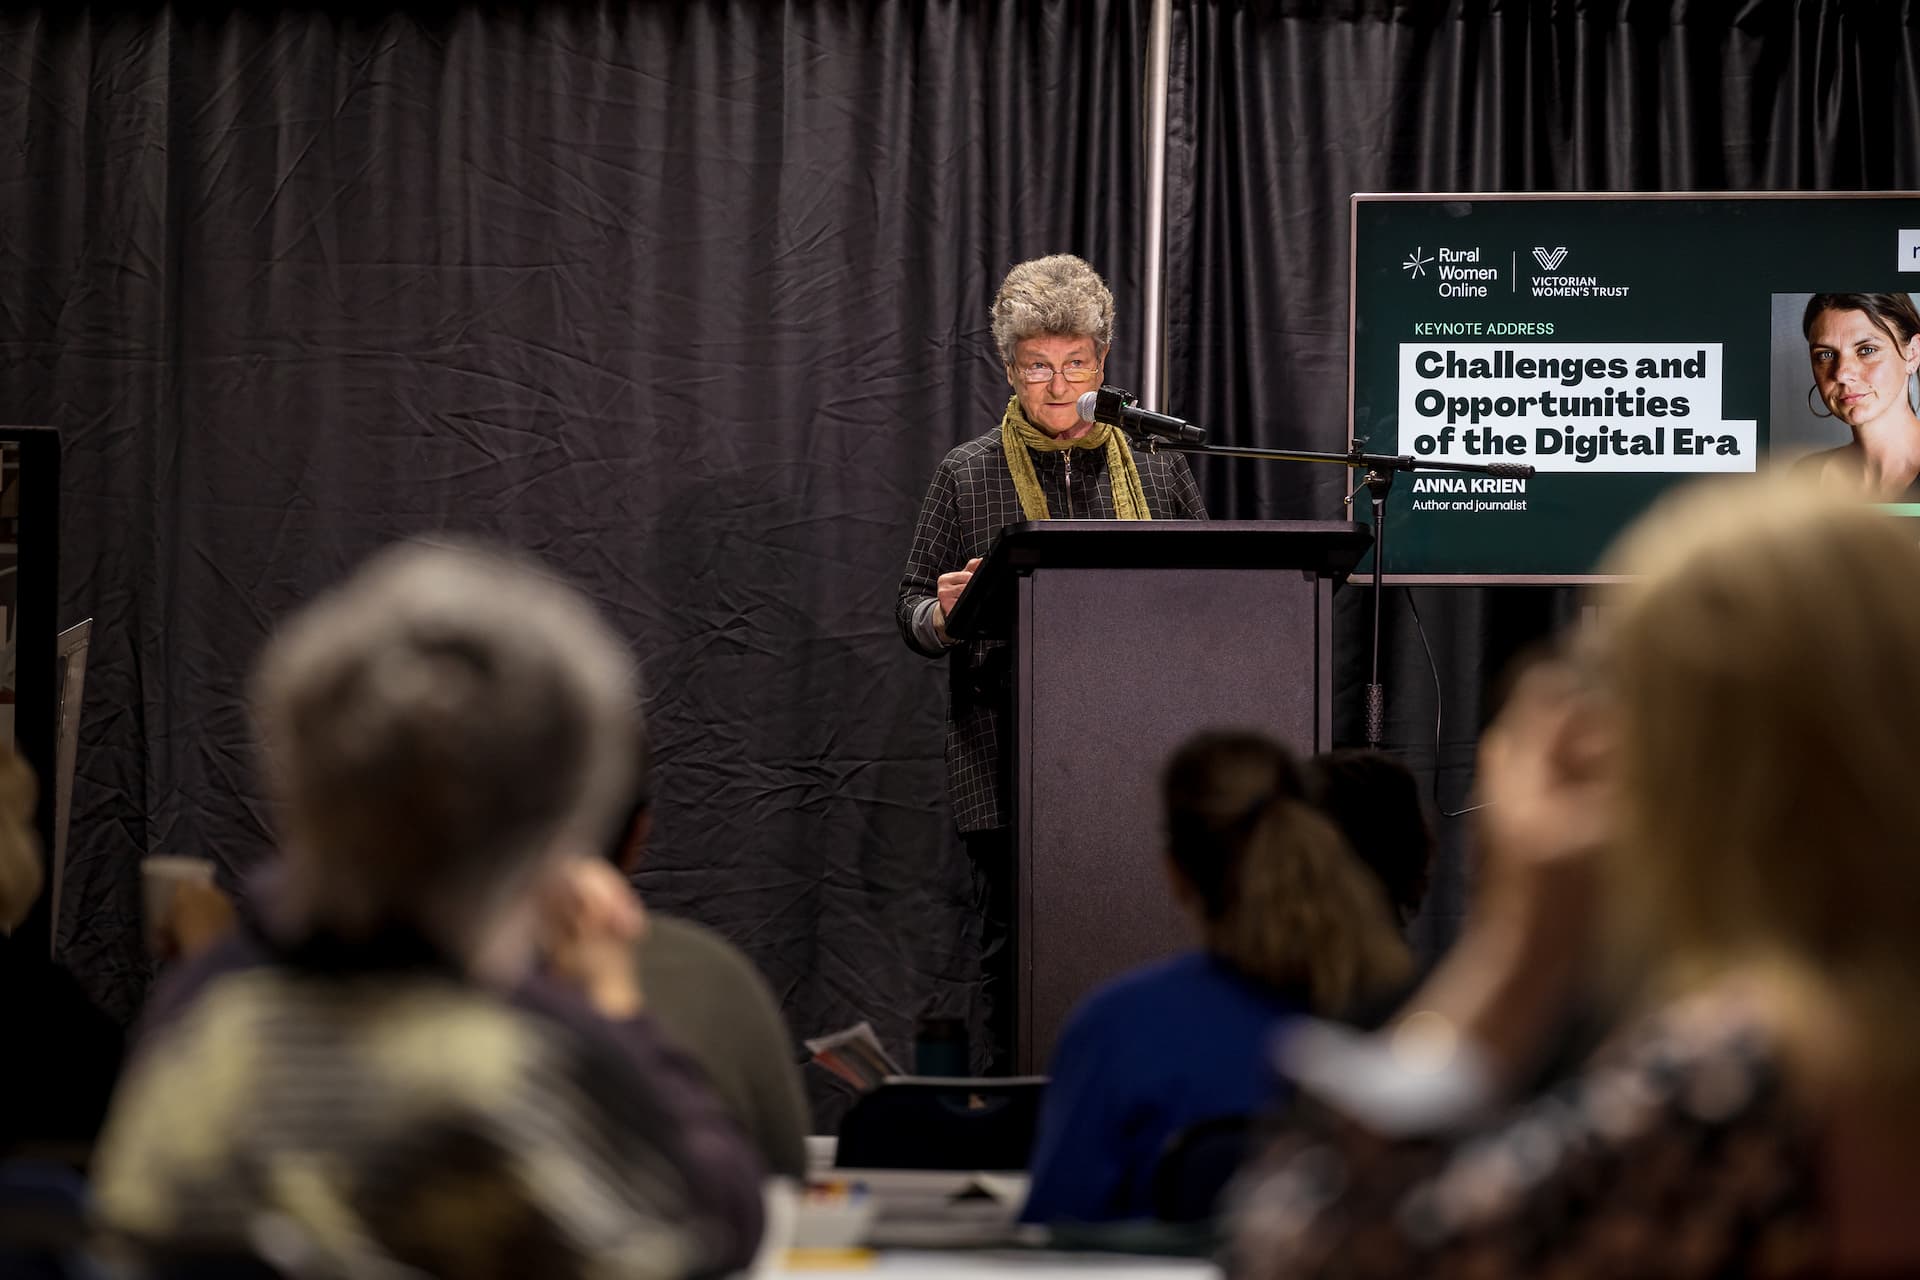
685, 299
1280, 109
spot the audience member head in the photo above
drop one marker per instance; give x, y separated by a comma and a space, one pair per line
1759, 659
1278, 893
1375, 802
437, 729
21, 874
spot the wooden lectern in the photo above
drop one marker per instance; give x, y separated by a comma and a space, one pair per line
1129, 637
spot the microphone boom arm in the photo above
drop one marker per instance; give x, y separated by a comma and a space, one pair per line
1388, 463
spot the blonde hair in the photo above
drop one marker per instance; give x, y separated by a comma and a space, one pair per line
433, 727
1764, 656
1281, 896
1057, 295
21, 875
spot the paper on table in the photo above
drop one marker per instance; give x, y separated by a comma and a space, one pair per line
855, 1055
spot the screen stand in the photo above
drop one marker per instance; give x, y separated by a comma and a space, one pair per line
1378, 483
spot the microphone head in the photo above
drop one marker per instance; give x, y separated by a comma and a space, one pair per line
1089, 406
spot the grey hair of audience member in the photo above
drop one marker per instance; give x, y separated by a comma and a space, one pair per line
435, 728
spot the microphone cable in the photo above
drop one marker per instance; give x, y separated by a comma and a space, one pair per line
1439, 711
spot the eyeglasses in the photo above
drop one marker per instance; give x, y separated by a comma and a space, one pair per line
1075, 371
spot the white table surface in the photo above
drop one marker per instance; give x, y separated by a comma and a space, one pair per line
916, 1218
1009, 1265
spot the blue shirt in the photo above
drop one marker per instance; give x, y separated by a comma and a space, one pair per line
1148, 1055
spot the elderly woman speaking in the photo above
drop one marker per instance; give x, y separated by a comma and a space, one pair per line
1053, 326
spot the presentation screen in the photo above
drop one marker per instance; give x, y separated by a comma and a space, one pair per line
1621, 344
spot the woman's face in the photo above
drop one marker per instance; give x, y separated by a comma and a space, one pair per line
1043, 374
1860, 370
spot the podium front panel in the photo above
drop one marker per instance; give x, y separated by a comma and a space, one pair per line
1114, 670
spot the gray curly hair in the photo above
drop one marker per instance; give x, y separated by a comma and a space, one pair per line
435, 725
1059, 294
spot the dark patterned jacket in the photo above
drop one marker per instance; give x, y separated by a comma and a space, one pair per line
970, 500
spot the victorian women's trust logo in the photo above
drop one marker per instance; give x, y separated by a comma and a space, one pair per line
1569, 285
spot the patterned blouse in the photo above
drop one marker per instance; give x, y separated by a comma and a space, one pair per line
1679, 1152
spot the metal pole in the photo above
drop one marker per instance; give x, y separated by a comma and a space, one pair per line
1153, 332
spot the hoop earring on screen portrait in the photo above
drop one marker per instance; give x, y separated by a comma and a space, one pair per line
1811, 401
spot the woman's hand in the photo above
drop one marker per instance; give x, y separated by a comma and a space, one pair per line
950, 587
1546, 780
1547, 783
591, 924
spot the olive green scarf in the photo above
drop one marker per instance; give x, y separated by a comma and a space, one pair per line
1017, 435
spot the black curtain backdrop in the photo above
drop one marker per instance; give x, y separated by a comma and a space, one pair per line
1280, 110
685, 299
688, 299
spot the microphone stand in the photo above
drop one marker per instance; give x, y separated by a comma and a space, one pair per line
1381, 468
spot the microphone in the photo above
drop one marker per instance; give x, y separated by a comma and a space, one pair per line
1115, 407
